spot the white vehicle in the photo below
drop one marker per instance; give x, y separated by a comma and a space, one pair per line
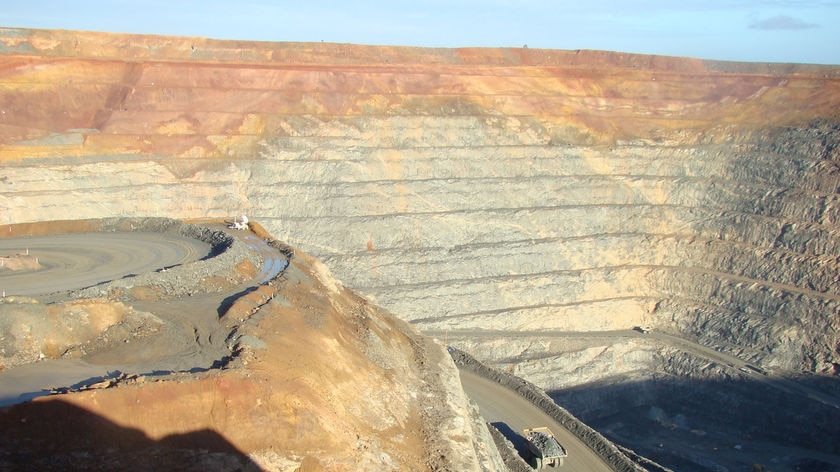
239, 224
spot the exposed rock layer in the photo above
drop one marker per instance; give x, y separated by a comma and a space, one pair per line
512, 189
515, 188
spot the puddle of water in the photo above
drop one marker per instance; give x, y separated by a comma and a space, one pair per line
272, 268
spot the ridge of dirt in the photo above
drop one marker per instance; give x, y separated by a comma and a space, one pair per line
315, 378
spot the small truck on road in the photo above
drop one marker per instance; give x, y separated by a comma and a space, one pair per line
543, 448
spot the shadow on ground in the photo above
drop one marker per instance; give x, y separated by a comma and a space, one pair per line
55, 435
700, 425
515, 438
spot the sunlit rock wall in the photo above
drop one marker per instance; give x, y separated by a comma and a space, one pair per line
511, 189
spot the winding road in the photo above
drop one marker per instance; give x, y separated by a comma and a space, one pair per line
511, 413
78, 260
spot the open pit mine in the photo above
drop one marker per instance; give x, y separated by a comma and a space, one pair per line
650, 242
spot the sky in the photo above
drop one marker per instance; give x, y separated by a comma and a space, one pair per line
801, 31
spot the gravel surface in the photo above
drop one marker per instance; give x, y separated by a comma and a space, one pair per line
186, 279
136, 297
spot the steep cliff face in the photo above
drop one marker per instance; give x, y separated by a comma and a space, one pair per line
506, 189
514, 189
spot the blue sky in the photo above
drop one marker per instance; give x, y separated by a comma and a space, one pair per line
805, 31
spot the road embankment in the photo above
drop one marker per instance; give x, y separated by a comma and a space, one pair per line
604, 448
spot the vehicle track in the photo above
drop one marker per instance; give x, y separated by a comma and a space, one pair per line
79, 260
72, 261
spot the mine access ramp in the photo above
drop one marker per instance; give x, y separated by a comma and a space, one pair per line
543, 448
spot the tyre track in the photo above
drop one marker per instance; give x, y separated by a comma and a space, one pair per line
75, 261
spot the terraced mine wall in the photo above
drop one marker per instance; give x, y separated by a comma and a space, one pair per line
467, 189
498, 188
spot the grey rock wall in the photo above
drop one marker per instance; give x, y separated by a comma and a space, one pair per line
490, 222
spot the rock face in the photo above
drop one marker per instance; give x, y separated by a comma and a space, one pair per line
505, 189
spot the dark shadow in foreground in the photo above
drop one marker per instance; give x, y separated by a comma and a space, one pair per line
55, 435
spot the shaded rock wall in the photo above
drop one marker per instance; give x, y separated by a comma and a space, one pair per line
470, 188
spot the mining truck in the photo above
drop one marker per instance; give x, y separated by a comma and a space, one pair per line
543, 448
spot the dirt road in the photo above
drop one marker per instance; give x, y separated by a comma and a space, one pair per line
190, 337
768, 378
73, 261
511, 413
